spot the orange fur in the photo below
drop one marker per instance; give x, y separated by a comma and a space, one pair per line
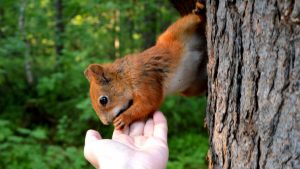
137, 84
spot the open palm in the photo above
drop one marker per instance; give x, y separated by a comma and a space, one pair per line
142, 145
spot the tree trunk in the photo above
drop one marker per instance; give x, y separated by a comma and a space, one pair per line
22, 30
150, 21
59, 29
1, 22
117, 27
253, 111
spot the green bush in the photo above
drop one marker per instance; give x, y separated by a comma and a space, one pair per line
31, 149
188, 151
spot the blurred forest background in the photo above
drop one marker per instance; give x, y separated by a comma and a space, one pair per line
45, 110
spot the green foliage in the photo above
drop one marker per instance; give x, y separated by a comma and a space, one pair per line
188, 151
43, 124
30, 148
188, 141
186, 114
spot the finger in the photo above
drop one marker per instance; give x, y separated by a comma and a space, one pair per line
92, 135
160, 126
126, 130
136, 128
117, 133
149, 126
89, 154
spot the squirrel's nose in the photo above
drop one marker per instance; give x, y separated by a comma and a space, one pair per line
105, 119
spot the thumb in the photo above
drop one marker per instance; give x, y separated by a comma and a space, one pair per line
91, 137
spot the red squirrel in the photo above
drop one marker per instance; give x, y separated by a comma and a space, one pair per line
133, 87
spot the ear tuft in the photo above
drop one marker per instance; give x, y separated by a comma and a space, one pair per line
93, 71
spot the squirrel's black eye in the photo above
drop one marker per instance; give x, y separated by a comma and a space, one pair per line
103, 100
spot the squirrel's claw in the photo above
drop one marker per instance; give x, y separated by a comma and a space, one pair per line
121, 121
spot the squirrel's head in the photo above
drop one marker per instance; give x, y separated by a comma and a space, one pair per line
110, 96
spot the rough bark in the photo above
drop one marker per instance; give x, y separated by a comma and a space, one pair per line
253, 111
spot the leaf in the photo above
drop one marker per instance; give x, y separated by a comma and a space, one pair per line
24, 131
39, 133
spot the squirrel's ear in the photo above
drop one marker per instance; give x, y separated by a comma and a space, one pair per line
93, 71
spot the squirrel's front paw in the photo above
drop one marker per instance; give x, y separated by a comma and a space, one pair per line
121, 121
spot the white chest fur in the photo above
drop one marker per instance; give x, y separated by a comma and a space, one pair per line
187, 70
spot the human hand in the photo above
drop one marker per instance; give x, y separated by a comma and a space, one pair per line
142, 145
